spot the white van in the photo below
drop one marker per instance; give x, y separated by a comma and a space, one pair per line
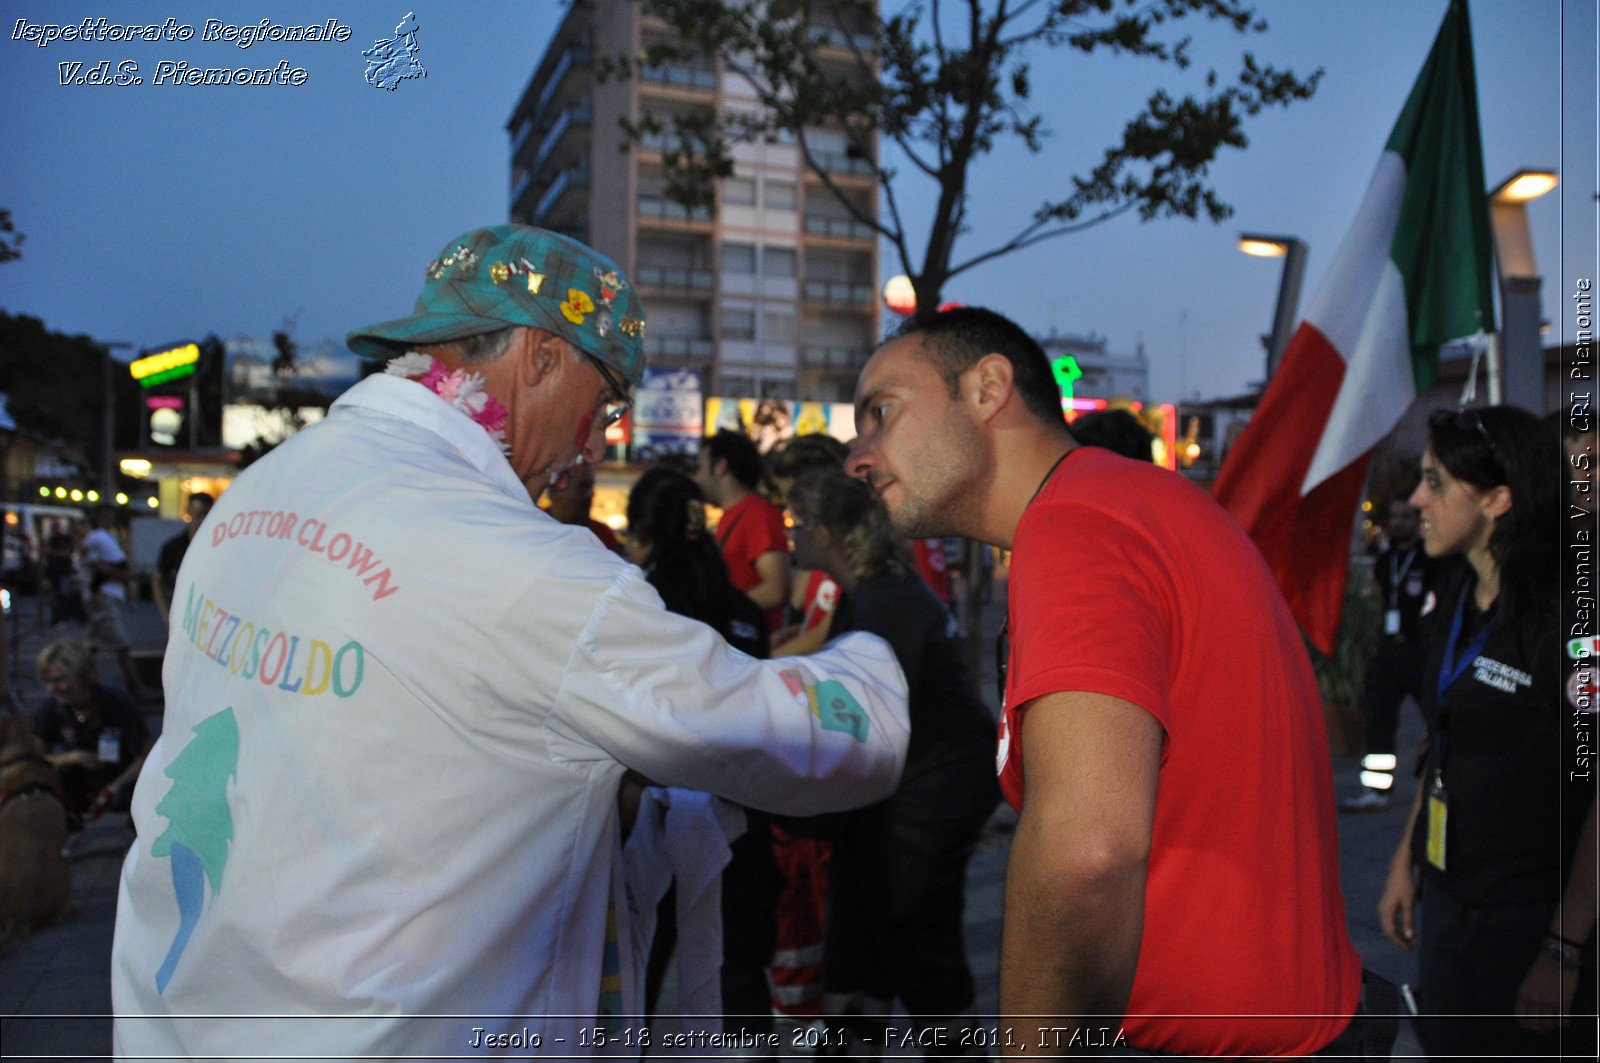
28, 528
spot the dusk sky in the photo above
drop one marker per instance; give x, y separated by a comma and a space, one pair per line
159, 212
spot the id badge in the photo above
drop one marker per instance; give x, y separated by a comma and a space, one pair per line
110, 751
1438, 811
1391, 621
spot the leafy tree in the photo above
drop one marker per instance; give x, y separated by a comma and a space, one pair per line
53, 384
10, 239
946, 81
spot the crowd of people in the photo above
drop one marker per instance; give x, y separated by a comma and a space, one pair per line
507, 764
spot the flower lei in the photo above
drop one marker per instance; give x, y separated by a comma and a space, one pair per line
459, 388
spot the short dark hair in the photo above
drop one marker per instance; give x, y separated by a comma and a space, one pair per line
816, 450
739, 452
205, 498
1118, 431
959, 337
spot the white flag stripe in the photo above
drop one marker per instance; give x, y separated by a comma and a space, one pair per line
1378, 385
1360, 308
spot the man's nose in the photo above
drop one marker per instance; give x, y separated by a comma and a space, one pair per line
859, 461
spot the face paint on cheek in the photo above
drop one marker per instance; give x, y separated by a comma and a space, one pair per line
585, 426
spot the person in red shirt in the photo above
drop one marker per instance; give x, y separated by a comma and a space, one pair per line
751, 534
1174, 876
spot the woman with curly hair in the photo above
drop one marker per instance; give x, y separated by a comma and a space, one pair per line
899, 867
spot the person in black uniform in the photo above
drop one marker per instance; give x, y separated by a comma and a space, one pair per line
899, 867
1395, 671
1500, 847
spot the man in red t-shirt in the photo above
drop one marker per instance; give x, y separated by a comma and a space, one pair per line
754, 541
1175, 863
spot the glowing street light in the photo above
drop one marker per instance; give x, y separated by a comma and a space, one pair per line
899, 295
1293, 252
1520, 360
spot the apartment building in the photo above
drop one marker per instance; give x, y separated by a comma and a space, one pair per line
768, 293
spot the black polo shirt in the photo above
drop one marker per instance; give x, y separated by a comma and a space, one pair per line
1500, 739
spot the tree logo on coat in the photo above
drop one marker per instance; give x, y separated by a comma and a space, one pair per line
199, 825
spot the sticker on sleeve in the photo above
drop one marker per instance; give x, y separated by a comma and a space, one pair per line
834, 706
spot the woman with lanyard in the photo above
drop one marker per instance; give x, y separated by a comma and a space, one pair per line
1500, 846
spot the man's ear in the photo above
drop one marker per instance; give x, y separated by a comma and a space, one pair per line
992, 383
535, 355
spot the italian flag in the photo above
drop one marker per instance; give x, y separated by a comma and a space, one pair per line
1413, 272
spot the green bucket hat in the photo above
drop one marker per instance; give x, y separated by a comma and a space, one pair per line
516, 275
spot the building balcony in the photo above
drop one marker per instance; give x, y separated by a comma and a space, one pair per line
838, 292
834, 37
570, 60
679, 76
668, 277
842, 358
683, 347
836, 162
571, 178
572, 118
671, 210
839, 228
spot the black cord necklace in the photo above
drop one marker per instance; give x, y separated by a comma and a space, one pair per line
1002, 646
1049, 473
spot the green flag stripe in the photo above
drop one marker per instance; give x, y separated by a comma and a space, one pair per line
1442, 242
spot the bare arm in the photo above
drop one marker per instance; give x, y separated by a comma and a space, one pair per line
1397, 907
773, 590
159, 593
1544, 1001
1075, 885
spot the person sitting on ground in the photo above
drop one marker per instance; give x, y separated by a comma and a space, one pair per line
96, 735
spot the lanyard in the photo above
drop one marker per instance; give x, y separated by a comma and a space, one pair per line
1396, 576
1453, 665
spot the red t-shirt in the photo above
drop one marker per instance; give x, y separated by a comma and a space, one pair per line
1128, 581
749, 528
931, 565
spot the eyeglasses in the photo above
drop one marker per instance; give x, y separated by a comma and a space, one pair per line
1469, 420
613, 409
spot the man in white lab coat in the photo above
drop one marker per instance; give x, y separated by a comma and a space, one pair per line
401, 700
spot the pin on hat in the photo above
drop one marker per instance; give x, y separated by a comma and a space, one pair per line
516, 275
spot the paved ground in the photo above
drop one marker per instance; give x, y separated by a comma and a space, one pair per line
55, 994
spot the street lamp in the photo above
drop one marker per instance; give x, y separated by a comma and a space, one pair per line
1293, 252
1521, 361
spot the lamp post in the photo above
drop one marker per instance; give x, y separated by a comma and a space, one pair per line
1293, 252
108, 414
1520, 356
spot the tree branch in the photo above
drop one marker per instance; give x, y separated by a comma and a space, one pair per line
1023, 239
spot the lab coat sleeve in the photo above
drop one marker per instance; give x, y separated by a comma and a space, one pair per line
667, 697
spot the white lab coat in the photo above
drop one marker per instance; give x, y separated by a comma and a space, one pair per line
399, 703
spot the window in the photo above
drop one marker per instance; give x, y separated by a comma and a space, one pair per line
777, 327
739, 191
739, 258
780, 195
738, 324
778, 262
